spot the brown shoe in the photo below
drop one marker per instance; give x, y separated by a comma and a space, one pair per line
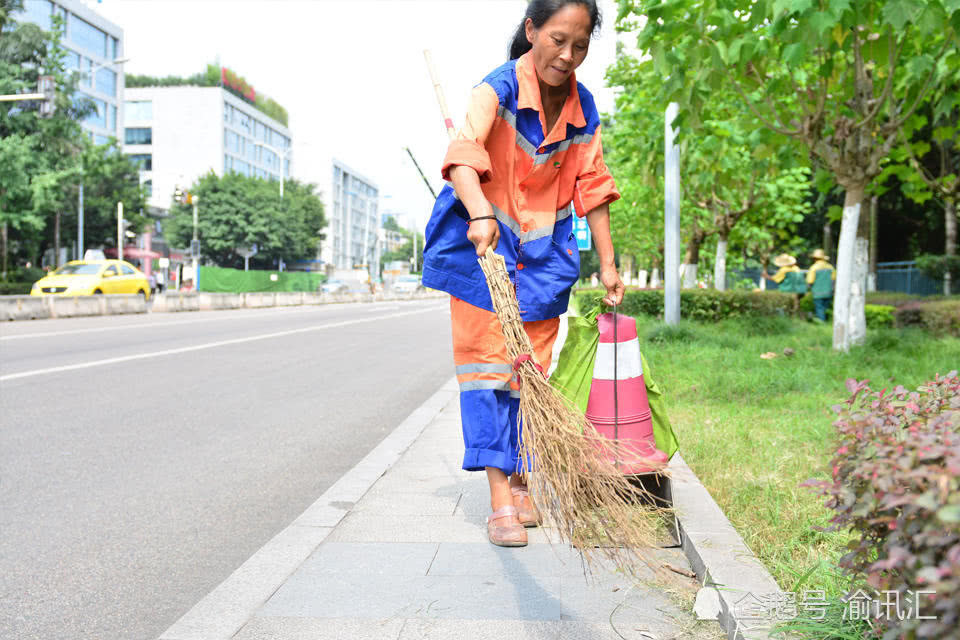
507, 534
527, 511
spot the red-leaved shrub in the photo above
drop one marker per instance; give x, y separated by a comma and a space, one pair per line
896, 483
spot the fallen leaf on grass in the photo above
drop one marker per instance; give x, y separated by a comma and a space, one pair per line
769, 355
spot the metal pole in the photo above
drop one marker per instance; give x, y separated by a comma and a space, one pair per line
281, 175
119, 231
671, 241
420, 171
196, 258
80, 224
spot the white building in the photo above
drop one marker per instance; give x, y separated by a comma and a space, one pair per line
353, 221
93, 44
181, 133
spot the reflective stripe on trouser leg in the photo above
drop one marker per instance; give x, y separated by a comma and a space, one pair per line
489, 398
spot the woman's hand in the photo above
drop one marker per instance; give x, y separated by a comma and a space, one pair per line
611, 280
483, 234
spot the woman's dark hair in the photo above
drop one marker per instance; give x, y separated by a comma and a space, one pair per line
540, 11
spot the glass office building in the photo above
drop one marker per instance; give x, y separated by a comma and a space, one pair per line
92, 43
354, 221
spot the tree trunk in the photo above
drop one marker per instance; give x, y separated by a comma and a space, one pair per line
626, 269
872, 271
688, 270
655, 278
720, 267
858, 292
950, 248
56, 240
828, 240
846, 249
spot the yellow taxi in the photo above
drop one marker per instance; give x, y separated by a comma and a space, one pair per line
93, 277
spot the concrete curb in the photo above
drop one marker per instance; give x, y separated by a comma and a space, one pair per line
42, 307
749, 596
224, 611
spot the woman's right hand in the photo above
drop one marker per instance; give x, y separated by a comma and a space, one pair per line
483, 234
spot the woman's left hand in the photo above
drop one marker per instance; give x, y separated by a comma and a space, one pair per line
611, 280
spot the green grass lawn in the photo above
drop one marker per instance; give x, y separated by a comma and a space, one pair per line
754, 429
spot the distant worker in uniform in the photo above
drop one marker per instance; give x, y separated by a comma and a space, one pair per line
821, 277
789, 278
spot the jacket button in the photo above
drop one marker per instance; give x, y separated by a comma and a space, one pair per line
520, 266
524, 228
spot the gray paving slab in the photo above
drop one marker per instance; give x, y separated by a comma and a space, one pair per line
312, 595
370, 527
427, 629
370, 558
484, 559
504, 597
612, 596
282, 628
410, 504
383, 596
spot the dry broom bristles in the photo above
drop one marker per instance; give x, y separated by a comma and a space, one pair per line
576, 487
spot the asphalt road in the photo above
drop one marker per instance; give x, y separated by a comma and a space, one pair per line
144, 458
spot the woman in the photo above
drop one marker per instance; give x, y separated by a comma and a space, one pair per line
527, 159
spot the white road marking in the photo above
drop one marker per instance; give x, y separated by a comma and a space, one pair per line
210, 345
174, 323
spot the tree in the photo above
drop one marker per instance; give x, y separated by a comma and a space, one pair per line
237, 211
46, 155
853, 72
405, 252
730, 169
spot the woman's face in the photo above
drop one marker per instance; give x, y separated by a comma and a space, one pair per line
561, 44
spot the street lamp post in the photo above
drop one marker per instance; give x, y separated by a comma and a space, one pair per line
280, 154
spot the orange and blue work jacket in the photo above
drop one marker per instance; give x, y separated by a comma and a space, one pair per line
535, 181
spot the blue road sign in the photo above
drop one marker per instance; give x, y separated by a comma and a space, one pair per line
582, 232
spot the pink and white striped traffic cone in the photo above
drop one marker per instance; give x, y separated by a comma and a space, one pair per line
618, 407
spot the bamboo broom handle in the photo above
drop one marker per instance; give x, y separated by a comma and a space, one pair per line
440, 99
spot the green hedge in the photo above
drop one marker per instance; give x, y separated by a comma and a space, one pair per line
879, 315
706, 305
15, 288
223, 280
938, 316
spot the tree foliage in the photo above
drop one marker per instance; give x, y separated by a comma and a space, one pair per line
840, 77
44, 160
237, 211
739, 182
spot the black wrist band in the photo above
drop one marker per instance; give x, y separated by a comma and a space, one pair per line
469, 220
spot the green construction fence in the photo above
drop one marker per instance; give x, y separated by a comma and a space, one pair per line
223, 280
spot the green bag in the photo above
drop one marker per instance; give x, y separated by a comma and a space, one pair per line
574, 375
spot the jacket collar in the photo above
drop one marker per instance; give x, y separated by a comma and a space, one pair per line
528, 97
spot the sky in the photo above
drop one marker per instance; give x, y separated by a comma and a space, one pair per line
351, 73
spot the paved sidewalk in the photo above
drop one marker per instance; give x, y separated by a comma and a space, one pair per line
403, 555
411, 560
